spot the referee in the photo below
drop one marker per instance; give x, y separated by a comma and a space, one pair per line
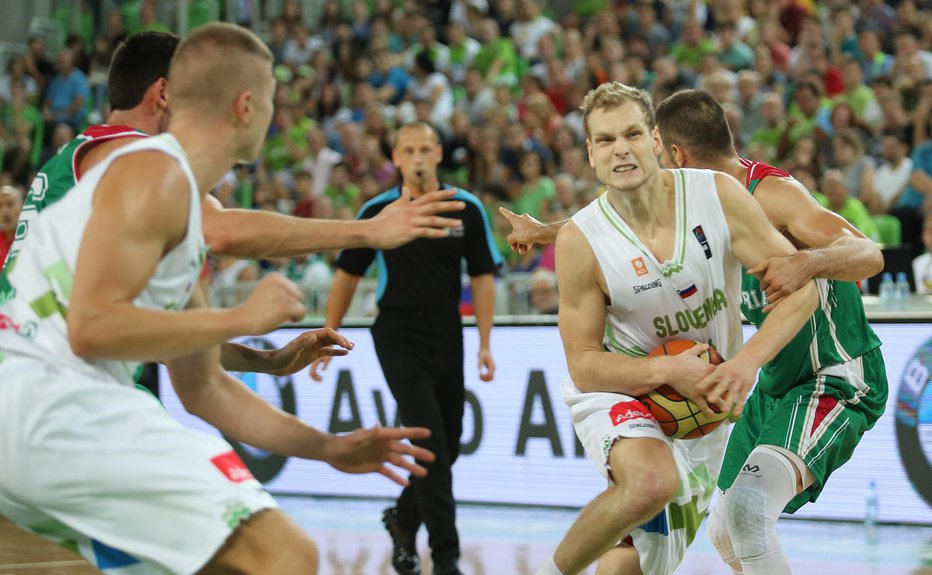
418, 338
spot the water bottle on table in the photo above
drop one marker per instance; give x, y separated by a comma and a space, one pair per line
887, 291
902, 289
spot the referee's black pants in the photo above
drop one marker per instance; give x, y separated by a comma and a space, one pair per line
421, 353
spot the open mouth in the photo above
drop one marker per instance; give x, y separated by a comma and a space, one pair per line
624, 168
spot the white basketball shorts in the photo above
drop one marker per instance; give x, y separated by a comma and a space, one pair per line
102, 469
600, 419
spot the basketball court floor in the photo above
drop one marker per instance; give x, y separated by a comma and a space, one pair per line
500, 540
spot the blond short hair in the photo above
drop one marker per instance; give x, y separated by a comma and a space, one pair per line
611, 95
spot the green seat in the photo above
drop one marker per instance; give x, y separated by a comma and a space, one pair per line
889, 228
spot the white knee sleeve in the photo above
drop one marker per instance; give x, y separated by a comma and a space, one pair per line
721, 539
753, 504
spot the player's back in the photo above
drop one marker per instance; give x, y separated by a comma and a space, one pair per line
838, 331
33, 312
693, 295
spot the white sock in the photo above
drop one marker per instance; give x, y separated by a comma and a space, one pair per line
550, 568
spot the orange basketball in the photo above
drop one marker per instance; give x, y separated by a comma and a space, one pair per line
678, 417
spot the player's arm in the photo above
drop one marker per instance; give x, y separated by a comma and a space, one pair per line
263, 234
527, 231
140, 212
221, 400
753, 240
833, 248
582, 318
293, 357
338, 302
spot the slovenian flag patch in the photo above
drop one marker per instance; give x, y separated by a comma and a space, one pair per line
687, 291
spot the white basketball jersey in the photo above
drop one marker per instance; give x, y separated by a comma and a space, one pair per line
32, 319
695, 295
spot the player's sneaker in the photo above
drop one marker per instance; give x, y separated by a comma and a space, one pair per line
405, 559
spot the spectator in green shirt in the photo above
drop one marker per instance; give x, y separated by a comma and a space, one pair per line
692, 46
835, 197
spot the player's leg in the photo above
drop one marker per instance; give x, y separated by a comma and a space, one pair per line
751, 507
620, 560
720, 537
644, 479
102, 469
268, 542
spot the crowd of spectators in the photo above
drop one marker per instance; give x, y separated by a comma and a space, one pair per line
838, 93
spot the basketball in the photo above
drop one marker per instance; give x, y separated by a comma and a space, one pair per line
678, 417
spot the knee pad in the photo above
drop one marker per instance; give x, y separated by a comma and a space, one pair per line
755, 500
720, 537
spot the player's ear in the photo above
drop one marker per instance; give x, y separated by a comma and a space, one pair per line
242, 107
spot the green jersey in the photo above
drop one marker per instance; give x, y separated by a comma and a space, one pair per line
53, 180
837, 332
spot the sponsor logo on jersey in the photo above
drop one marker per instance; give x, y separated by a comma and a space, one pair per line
232, 467
753, 470
644, 287
700, 235
628, 410
640, 268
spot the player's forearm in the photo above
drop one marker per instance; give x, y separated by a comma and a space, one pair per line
547, 233
340, 297
262, 234
237, 357
845, 259
222, 401
605, 371
483, 293
781, 325
126, 332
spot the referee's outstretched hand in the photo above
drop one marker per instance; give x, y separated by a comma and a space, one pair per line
371, 450
407, 219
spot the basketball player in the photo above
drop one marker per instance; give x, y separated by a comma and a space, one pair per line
138, 92
844, 396
657, 257
109, 278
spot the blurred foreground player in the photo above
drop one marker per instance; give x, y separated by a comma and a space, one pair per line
109, 278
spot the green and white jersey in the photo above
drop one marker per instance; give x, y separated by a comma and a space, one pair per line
836, 333
33, 317
694, 295
55, 178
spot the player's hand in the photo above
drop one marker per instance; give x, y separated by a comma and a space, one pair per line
684, 372
318, 367
369, 450
728, 386
521, 238
781, 276
486, 366
405, 219
308, 347
275, 300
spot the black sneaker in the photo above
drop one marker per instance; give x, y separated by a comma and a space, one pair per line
405, 559
447, 569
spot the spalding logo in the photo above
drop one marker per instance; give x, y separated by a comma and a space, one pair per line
625, 410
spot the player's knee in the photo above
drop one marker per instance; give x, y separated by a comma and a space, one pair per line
745, 512
647, 493
720, 537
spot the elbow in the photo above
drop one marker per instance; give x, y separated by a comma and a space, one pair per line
83, 338
220, 240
